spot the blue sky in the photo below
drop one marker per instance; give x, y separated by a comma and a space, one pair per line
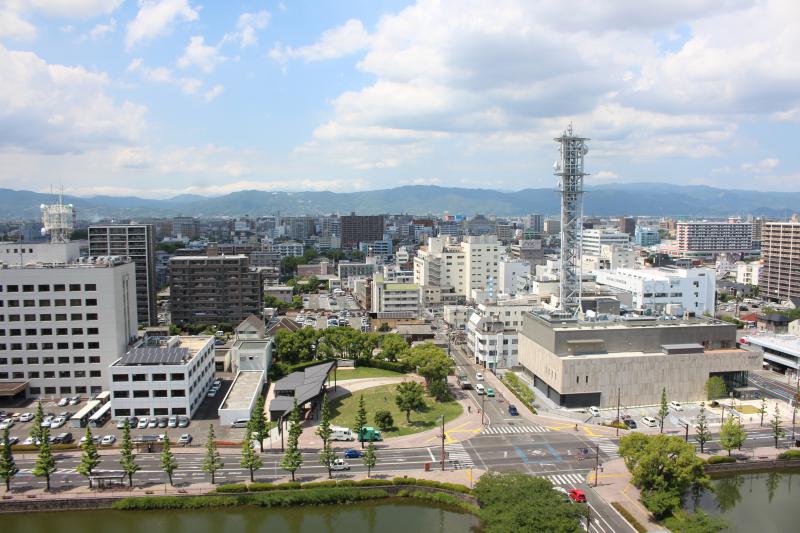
162, 97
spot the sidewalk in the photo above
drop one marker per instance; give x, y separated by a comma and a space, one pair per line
614, 486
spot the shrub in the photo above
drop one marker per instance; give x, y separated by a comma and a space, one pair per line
232, 487
394, 366
272, 499
789, 454
455, 487
629, 517
404, 481
719, 459
319, 484
441, 498
523, 393
266, 487
384, 420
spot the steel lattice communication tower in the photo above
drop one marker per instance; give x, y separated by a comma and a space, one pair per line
569, 169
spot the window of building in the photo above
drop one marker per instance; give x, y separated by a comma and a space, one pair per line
44, 288
159, 393
80, 373
94, 359
77, 331
47, 331
33, 375
139, 377
64, 374
90, 287
159, 377
75, 302
45, 317
62, 331
121, 394
141, 394
79, 360
91, 316
60, 317
60, 302
59, 287
94, 374
116, 378
92, 302
77, 346
178, 393
49, 390
12, 288
94, 345
76, 316
74, 286
92, 331
49, 374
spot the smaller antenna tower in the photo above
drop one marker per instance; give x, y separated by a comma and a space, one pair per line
58, 220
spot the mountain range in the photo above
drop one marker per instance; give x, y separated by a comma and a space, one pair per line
654, 199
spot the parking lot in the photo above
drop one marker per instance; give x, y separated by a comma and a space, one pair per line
688, 413
318, 308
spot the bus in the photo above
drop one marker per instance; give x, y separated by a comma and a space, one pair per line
102, 416
81, 418
103, 397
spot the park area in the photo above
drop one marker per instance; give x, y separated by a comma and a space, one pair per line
382, 398
362, 372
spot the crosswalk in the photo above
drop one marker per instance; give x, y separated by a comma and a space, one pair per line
507, 430
607, 446
458, 455
566, 479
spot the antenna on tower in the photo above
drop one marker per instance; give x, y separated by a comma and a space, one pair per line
569, 169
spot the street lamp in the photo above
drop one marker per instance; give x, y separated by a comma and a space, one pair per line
443, 438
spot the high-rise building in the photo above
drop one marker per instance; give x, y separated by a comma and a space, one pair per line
534, 223
709, 238
185, 227
627, 225
63, 325
780, 251
464, 267
214, 289
360, 228
593, 239
644, 236
136, 241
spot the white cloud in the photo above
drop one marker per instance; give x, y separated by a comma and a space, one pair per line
78, 9
212, 93
764, 166
201, 55
14, 26
247, 28
347, 39
165, 75
100, 31
156, 18
53, 108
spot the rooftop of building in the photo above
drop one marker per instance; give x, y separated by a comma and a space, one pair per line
179, 258
81, 262
397, 287
176, 350
605, 321
243, 389
785, 343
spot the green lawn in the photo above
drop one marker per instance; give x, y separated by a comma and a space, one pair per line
365, 372
747, 409
343, 411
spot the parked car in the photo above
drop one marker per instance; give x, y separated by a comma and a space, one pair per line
26, 417
142, 423
183, 421
212, 393
185, 439
173, 422
163, 421
6, 424
562, 491
47, 420
161, 437
108, 440
63, 402
512, 410
121, 422
353, 453
490, 392
649, 421
31, 441
631, 423
95, 439
479, 377
75, 400
577, 495
11, 441
57, 422
152, 423
676, 406
133, 422
339, 465
594, 411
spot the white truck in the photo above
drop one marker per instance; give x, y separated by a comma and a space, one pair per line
342, 434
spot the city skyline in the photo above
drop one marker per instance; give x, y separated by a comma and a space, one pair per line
156, 99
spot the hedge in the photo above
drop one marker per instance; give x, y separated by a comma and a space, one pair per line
523, 393
394, 366
789, 454
237, 488
629, 517
719, 459
439, 497
455, 487
34, 448
271, 499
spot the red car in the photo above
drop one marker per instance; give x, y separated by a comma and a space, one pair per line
577, 495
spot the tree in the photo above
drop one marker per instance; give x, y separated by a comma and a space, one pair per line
410, 397
90, 459
716, 388
45, 464
292, 459
370, 460
326, 455
731, 435
663, 468
433, 364
212, 460
393, 347
36, 428
250, 459
127, 458
775, 425
513, 501
763, 410
168, 463
702, 432
698, 522
8, 468
663, 410
384, 420
361, 419
258, 426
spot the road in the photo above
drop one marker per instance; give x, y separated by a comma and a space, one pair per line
773, 385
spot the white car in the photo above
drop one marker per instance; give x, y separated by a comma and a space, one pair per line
212, 393
676, 406
173, 422
5, 424
26, 417
63, 402
142, 423
339, 464
121, 422
30, 441
75, 400
152, 423
95, 438
108, 440
58, 422
47, 420
479, 376
649, 421
594, 411
185, 439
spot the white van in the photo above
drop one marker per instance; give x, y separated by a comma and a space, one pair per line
480, 389
649, 421
342, 434
594, 411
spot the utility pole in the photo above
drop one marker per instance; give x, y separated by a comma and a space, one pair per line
619, 392
483, 404
443, 437
722, 418
596, 467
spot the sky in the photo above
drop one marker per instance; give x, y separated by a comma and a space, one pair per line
156, 98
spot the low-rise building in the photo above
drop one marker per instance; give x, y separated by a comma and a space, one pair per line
492, 344
283, 293
781, 352
356, 270
389, 297
664, 290
748, 273
163, 376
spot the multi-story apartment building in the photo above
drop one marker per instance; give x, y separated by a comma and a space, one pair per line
61, 325
780, 251
464, 267
136, 241
492, 344
391, 297
645, 236
481, 256
288, 248
749, 273
593, 239
347, 270
529, 250
360, 228
628, 225
214, 289
535, 223
185, 227
710, 238
508, 272
162, 376
612, 257
664, 290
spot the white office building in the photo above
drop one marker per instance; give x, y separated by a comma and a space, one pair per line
163, 376
593, 239
664, 290
509, 272
390, 297
465, 267
492, 344
288, 249
748, 273
612, 257
63, 323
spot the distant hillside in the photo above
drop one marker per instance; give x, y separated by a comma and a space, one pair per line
614, 199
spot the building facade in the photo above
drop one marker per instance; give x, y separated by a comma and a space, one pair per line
593, 239
664, 290
780, 251
391, 297
644, 236
136, 241
709, 238
360, 228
